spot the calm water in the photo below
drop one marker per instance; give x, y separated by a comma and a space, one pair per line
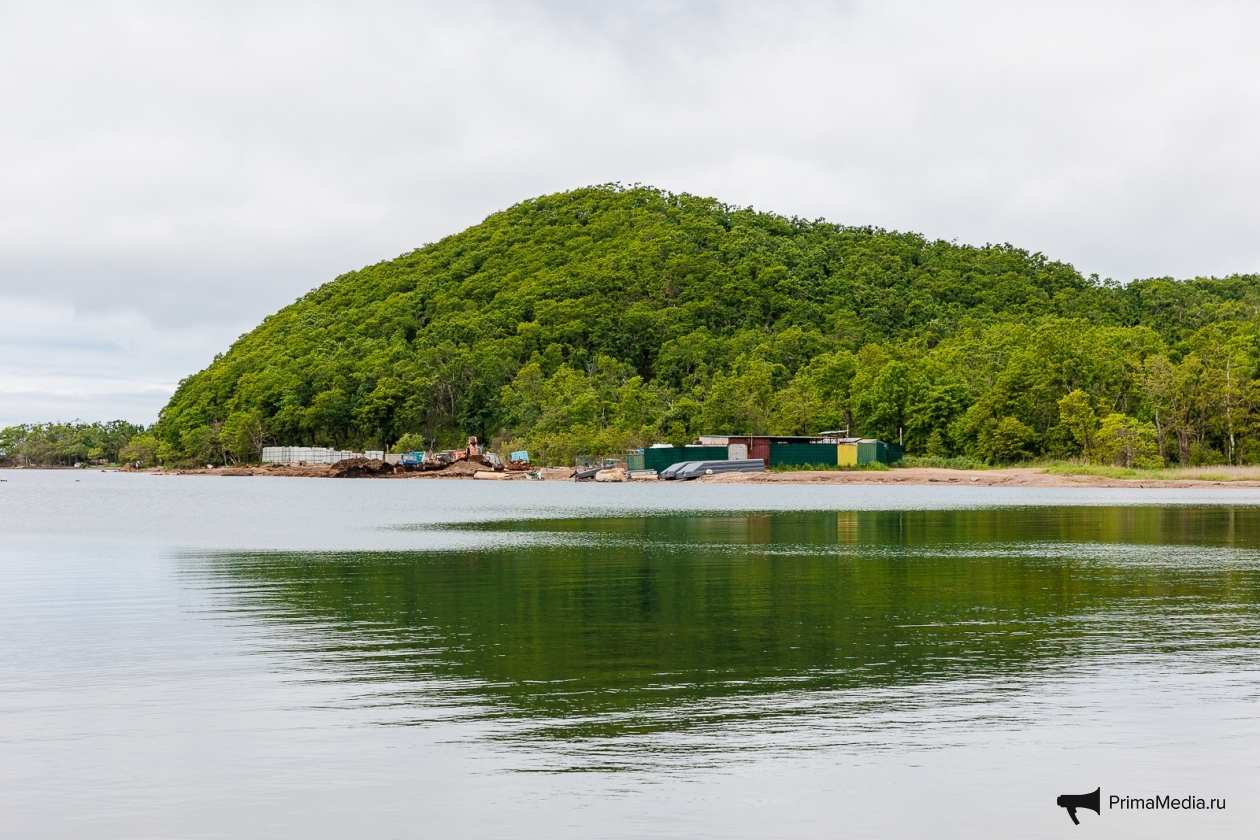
206, 657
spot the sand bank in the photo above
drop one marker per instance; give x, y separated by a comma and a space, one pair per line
1015, 477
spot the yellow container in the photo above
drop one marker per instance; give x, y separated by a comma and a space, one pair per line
846, 454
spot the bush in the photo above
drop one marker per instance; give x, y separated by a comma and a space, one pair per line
1122, 441
201, 445
243, 435
1078, 418
564, 448
410, 442
141, 450
1007, 441
1204, 456
959, 462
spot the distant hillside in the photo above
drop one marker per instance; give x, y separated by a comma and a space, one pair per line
607, 317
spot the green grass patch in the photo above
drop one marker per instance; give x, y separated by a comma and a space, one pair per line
961, 462
876, 467
1167, 474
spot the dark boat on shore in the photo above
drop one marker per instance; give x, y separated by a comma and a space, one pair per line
586, 470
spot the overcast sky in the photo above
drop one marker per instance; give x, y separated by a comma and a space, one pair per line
171, 174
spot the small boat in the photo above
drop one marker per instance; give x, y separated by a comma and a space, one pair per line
689, 470
586, 470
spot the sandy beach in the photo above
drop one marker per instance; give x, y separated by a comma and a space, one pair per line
1013, 477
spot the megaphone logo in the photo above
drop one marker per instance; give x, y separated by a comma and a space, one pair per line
1072, 801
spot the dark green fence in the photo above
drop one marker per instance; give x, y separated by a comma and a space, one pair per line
827, 454
781, 455
802, 454
658, 458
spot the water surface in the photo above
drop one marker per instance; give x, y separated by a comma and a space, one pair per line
203, 657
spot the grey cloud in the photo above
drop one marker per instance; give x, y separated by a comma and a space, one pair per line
203, 165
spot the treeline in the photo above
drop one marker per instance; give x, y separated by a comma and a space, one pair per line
66, 444
1008, 392
606, 318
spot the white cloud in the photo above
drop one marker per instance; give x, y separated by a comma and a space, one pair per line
57, 363
200, 166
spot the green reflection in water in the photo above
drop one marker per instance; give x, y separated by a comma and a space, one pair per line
600, 626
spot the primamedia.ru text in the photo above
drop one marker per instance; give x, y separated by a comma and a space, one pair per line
1166, 803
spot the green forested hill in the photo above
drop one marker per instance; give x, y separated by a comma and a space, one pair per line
607, 317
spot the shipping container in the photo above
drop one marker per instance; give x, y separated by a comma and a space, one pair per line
635, 461
872, 451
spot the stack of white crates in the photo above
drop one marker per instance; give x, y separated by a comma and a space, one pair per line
305, 454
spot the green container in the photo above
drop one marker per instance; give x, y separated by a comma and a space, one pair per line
803, 454
658, 458
872, 452
634, 460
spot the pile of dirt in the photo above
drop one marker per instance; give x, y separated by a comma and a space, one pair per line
360, 468
465, 467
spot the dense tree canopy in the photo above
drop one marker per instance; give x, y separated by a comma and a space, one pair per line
603, 318
65, 444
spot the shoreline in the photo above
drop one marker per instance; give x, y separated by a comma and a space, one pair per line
912, 476
1009, 477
